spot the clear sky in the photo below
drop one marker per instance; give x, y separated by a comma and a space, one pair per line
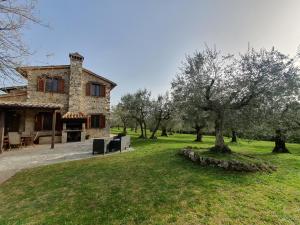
141, 43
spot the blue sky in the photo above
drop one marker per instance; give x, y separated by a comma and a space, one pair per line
141, 43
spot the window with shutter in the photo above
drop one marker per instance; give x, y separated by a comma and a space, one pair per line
88, 122
102, 90
43, 121
88, 89
58, 125
40, 84
38, 122
102, 121
95, 121
54, 85
61, 86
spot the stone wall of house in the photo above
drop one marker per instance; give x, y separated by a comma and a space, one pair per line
45, 97
75, 83
96, 105
15, 96
29, 121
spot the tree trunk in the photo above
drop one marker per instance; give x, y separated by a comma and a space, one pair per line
219, 143
135, 128
198, 134
233, 136
124, 129
280, 143
145, 129
164, 132
170, 131
155, 130
142, 130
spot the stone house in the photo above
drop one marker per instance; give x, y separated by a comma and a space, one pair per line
74, 100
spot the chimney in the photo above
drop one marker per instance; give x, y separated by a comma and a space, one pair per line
75, 85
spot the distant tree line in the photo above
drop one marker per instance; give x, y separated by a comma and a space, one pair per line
253, 95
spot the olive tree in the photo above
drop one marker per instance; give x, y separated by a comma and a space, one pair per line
15, 16
219, 83
138, 105
193, 116
120, 115
161, 110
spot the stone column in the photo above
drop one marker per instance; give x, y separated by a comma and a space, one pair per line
64, 134
75, 85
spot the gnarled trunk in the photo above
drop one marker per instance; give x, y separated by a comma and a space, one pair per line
124, 129
145, 129
142, 130
135, 128
219, 143
164, 132
198, 133
155, 130
280, 143
233, 136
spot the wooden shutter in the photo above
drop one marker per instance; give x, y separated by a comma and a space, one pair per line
102, 90
88, 89
38, 122
88, 122
61, 86
58, 125
40, 84
102, 121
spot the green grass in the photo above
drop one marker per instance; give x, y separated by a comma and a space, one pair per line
153, 185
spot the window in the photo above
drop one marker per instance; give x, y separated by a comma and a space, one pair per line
95, 89
47, 121
43, 121
52, 84
95, 121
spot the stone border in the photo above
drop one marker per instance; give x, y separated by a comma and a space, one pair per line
232, 165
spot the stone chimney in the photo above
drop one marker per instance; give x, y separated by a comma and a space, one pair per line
75, 87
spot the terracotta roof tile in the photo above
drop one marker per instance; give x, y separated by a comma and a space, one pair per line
72, 115
10, 104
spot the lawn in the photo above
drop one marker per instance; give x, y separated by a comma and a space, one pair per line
153, 185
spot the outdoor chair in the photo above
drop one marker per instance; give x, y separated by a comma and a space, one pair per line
14, 139
36, 137
27, 138
119, 143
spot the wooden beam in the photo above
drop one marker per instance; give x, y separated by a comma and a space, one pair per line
53, 128
2, 125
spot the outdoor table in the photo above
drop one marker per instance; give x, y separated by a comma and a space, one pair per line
27, 140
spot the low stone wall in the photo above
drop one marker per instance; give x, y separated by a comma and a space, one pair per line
226, 164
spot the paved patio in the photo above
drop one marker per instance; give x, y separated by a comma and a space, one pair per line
13, 161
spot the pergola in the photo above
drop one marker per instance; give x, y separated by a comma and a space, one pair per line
26, 105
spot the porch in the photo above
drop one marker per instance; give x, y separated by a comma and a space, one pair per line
29, 120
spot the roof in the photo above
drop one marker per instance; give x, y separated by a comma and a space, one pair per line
12, 87
24, 69
72, 115
29, 105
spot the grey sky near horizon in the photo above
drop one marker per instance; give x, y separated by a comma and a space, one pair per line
141, 43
